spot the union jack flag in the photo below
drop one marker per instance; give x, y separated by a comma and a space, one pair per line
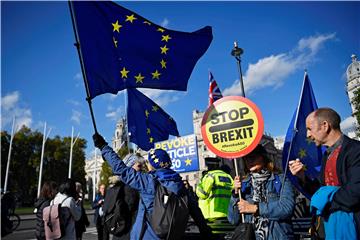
214, 90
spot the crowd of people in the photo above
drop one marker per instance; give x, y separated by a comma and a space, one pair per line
260, 204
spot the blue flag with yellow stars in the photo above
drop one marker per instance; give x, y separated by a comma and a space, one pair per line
296, 141
147, 122
121, 49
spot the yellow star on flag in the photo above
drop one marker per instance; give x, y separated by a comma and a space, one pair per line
309, 141
165, 38
156, 75
148, 130
155, 108
130, 18
115, 42
124, 73
160, 30
161, 164
147, 113
302, 153
188, 162
139, 78
116, 26
164, 49
163, 63
304, 167
151, 140
156, 160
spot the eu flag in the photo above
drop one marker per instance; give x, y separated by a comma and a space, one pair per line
296, 144
147, 122
121, 49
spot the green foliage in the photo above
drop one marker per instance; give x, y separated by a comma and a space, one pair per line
106, 171
123, 151
25, 162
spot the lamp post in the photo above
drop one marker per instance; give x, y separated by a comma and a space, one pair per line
236, 52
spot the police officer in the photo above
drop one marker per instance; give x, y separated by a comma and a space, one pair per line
214, 191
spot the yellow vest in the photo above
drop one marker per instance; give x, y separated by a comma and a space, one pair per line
214, 192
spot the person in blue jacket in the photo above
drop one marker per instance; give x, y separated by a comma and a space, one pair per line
261, 203
159, 164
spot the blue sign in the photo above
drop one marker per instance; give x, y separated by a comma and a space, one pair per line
183, 152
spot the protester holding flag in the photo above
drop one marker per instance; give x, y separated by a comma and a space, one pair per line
261, 201
159, 164
340, 168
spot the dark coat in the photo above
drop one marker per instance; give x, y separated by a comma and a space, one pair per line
82, 223
131, 198
96, 206
347, 198
40, 204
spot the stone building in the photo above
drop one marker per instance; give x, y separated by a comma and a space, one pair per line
353, 84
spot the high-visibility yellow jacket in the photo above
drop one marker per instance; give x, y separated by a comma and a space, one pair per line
214, 192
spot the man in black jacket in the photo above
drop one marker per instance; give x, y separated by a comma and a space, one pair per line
340, 166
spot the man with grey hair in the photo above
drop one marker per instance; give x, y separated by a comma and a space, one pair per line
340, 166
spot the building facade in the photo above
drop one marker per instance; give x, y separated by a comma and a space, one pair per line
352, 85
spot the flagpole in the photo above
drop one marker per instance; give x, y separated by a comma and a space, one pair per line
94, 176
126, 120
293, 136
9, 155
236, 52
77, 45
71, 149
45, 136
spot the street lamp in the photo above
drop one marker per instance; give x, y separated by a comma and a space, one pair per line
236, 52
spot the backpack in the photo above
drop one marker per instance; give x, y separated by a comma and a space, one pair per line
170, 213
56, 219
117, 219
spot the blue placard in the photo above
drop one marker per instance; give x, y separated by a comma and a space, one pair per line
183, 152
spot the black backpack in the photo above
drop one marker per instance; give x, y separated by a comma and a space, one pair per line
116, 217
170, 213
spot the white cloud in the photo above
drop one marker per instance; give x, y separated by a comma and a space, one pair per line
78, 79
165, 23
314, 43
10, 107
348, 125
74, 102
273, 70
161, 97
76, 116
115, 114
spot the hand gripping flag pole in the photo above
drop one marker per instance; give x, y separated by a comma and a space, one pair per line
296, 144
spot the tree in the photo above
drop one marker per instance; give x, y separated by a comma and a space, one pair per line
356, 102
25, 162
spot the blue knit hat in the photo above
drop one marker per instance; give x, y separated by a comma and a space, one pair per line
159, 158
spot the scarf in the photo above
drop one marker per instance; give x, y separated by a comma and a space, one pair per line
258, 181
